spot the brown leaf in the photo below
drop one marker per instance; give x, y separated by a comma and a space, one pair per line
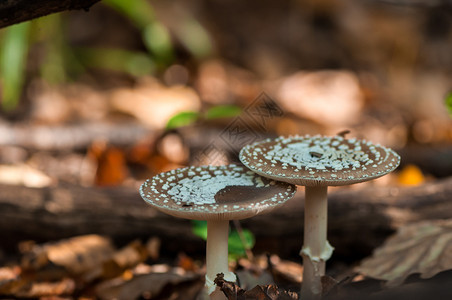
249, 278
284, 270
22, 174
260, 292
424, 248
154, 104
329, 284
128, 257
230, 289
174, 148
332, 98
270, 292
185, 262
147, 284
40, 289
12, 283
111, 164
75, 255
10, 280
159, 163
153, 247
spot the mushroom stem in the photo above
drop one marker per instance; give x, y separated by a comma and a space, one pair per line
316, 249
217, 257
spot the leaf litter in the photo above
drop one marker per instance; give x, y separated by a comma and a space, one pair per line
264, 292
91, 267
424, 248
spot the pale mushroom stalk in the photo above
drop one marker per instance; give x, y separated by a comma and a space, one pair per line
217, 257
316, 249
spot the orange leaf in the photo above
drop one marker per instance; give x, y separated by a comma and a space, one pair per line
411, 175
111, 168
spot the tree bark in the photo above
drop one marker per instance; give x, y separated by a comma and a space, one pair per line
16, 11
358, 219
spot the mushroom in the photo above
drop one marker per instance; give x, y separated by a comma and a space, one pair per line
317, 162
215, 194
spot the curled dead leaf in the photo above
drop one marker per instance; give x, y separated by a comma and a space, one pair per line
424, 248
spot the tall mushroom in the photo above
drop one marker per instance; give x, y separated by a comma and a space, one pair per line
317, 162
215, 194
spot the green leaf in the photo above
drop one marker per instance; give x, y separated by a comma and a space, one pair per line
135, 63
158, 41
139, 11
182, 119
239, 247
223, 111
199, 228
13, 61
449, 103
195, 38
50, 32
236, 247
155, 35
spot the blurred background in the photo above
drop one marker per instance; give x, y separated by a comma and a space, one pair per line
114, 95
80, 84
146, 86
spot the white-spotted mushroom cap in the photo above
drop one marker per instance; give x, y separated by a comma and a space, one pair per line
319, 160
214, 193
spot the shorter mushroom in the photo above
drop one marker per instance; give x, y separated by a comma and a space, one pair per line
215, 194
317, 162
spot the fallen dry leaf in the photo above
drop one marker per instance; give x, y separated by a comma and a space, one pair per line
249, 279
332, 98
284, 270
127, 257
154, 104
329, 285
10, 279
146, 284
424, 248
186, 262
75, 255
13, 284
221, 83
65, 286
23, 174
153, 247
254, 271
263, 292
111, 164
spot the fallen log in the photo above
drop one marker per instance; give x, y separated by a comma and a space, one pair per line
433, 160
74, 136
359, 219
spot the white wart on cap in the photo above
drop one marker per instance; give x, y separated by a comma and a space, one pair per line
214, 193
319, 160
